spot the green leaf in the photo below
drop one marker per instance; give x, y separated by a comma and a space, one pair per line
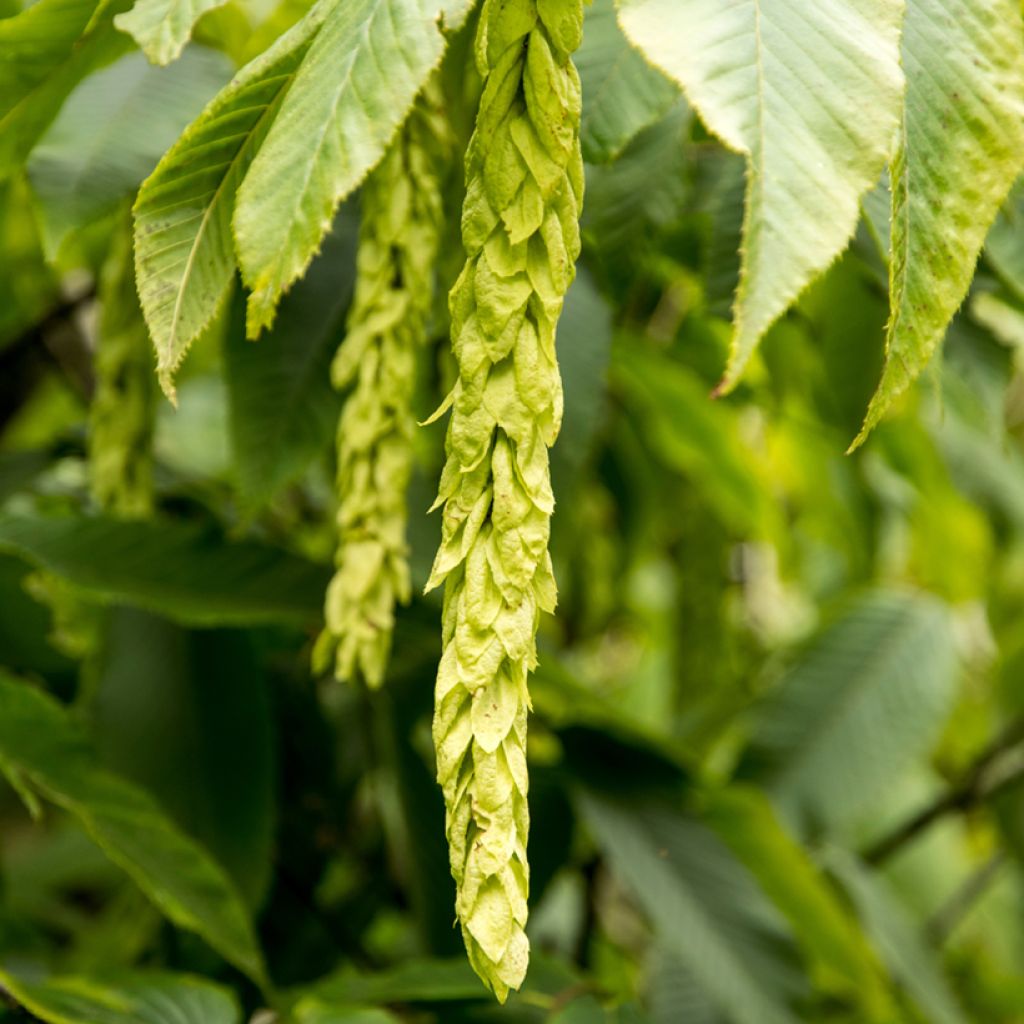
205, 752
283, 409
185, 572
41, 743
961, 147
184, 252
622, 93
35, 42
585, 336
829, 936
701, 902
110, 134
860, 706
415, 981
136, 998
810, 94
163, 27
693, 435
43, 74
312, 1011
900, 941
1004, 247
352, 92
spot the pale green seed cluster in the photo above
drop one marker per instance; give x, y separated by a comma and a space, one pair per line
121, 413
524, 177
402, 222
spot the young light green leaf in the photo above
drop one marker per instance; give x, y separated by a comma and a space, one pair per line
961, 148
866, 699
810, 94
184, 252
136, 998
186, 573
110, 134
41, 743
352, 92
163, 27
622, 93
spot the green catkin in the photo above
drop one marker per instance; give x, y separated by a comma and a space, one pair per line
402, 224
520, 225
122, 409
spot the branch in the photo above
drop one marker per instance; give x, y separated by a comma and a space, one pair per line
957, 907
986, 777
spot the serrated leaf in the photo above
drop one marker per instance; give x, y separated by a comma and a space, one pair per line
810, 94
860, 705
283, 408
355, 86
163, 27
41, 742
961, 149
110, 134
702, 903
187, 573
622, 93
135, 998
184, 252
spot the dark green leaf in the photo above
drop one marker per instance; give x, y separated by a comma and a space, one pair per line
185, 572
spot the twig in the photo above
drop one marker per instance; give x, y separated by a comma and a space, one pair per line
985, 778
956, 908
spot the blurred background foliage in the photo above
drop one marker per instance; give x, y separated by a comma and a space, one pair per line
778, 748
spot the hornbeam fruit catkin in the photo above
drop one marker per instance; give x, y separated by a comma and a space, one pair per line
402, 222
520, 228
122, 408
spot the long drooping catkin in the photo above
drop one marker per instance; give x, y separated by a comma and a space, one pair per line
402, 221
122, 409
524, 178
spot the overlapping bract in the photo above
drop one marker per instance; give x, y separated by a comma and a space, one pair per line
524, 176
403, 217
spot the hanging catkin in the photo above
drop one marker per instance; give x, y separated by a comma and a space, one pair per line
524, 181
121, 413
402, 221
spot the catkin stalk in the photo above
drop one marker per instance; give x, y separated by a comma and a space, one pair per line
402, 222
520, 226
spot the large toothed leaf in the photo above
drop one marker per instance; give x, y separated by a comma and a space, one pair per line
810, 93
163, 27
961, 148
42, 747
354, 88
184, 253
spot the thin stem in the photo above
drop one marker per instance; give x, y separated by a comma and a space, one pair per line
992, 772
